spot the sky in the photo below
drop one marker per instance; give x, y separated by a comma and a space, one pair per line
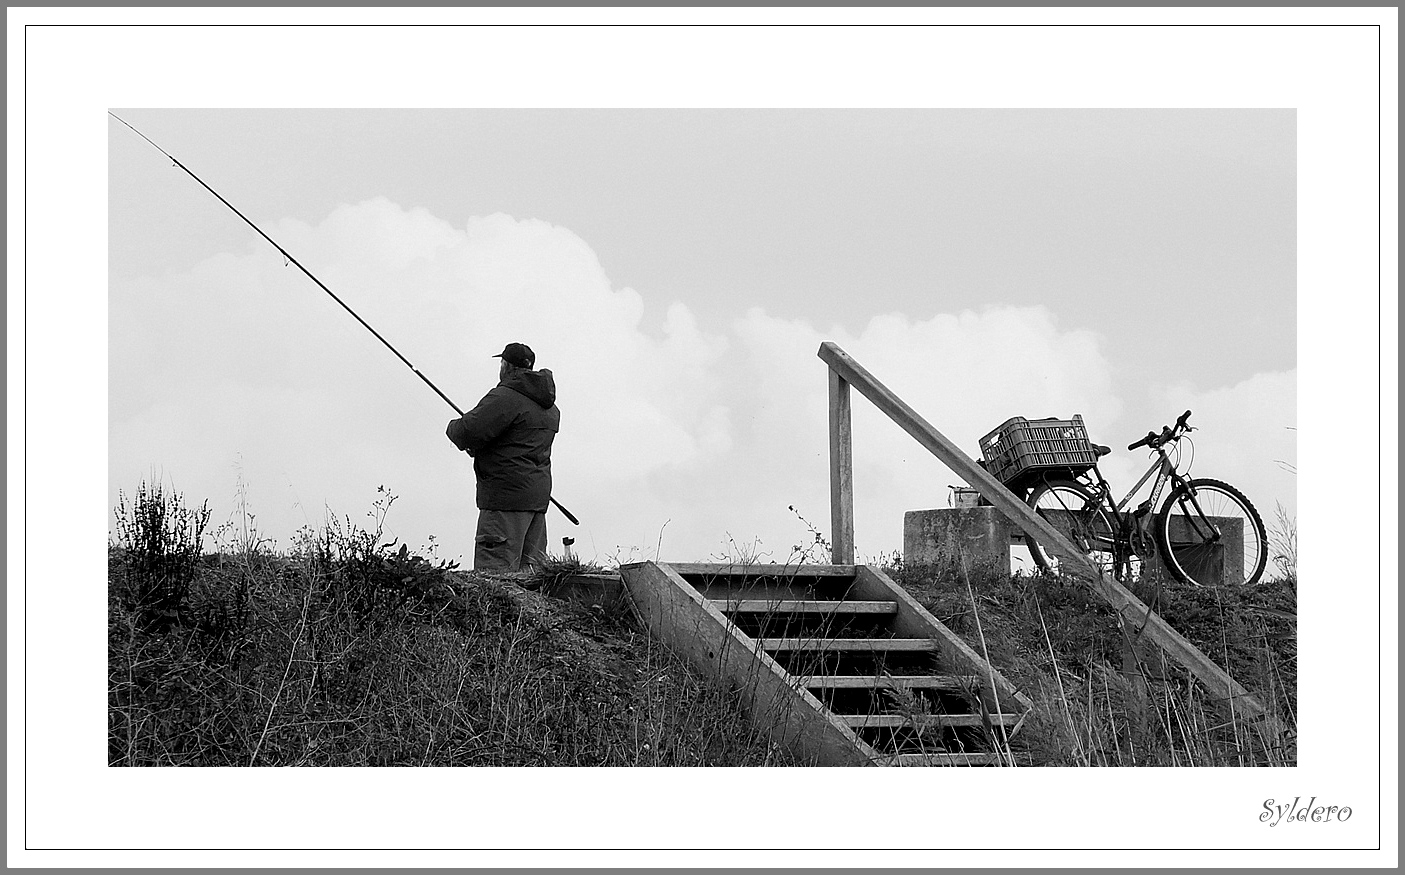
677, 270
995, 216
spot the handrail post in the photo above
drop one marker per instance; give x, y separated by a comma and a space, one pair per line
841, 471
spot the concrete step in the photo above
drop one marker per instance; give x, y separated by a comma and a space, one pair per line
942, 759
923, 721
768, 582
848, 645
720, 570
892, 682
803, 606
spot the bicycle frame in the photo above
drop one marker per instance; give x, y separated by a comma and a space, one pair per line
1132, 528
1162, 467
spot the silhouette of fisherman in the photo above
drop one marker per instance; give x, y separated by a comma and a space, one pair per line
509, 435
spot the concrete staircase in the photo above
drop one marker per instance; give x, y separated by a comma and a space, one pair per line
836, 661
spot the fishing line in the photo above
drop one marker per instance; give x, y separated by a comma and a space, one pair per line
289, 259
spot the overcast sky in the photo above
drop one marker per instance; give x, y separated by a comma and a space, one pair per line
677, 270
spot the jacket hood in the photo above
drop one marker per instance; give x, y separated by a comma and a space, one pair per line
539, 386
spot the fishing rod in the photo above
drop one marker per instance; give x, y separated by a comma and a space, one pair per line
290, 259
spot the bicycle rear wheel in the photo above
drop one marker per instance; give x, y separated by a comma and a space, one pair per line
1069, 507
1209, 533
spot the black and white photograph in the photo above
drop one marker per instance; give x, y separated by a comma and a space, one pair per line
569, 434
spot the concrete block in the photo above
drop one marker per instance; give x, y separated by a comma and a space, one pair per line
592, 590
1224, 563
985, 534
982, 533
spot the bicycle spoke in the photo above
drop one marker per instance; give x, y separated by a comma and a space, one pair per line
1210, 534
1070, 509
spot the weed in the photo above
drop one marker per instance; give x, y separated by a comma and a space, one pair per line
354, 650
1283, 543
160, 541
816, 551
741, 554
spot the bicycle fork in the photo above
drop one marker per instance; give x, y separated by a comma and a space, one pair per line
1195, 517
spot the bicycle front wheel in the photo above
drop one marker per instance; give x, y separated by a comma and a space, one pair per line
1069, 507
1209, 533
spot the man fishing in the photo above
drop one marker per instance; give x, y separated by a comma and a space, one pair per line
517, 474
509, 436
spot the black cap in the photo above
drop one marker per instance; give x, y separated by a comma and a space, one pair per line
518, 355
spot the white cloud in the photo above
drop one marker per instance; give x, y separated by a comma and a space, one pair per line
965, 374
1247, 436
676, 438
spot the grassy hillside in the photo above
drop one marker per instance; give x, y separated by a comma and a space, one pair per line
1063, 646
347, 650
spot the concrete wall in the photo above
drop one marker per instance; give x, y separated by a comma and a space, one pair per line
984, 533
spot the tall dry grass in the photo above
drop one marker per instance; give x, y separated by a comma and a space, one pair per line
1104, 698
347, 650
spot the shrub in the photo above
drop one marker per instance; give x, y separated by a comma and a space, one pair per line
161, 542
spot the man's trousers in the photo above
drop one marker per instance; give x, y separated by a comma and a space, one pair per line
509, 540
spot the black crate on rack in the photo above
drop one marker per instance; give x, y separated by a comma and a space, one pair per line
1021, 449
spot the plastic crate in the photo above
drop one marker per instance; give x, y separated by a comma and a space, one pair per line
1020, 449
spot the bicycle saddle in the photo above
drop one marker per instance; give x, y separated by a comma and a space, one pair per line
1101, 450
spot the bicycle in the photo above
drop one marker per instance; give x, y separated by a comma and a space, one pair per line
1206, 532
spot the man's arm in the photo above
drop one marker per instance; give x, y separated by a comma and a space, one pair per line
482, 425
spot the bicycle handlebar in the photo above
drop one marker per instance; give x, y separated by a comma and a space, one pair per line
1155, 440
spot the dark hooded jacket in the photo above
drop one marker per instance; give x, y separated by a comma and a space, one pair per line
509, 435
